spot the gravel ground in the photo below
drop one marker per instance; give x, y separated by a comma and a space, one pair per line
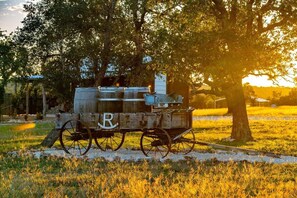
132, 155
135, 155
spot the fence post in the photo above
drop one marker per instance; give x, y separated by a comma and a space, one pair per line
27, 100
0, 113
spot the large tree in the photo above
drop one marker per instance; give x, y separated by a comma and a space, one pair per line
63, 36
220, 42
13, 62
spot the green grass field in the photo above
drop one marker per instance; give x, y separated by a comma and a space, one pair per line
23, 175
252, 111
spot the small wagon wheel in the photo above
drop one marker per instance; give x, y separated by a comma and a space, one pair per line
155, 143
109, 140
75, 137
184, 144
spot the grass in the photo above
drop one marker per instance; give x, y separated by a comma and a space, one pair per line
18, 136
252, 111
271, 136
57, 177
52, 177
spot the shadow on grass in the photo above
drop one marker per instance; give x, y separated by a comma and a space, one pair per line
213, 138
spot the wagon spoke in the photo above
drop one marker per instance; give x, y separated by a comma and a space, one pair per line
151, 148
82, 145
72, 127
149, 139
68, 141
105, 139
114, 141
69, 131
111, 140
110, 144
158, 150
78, 147
182, 145
155, 143
73, 143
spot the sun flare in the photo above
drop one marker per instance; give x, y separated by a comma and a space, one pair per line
26, 126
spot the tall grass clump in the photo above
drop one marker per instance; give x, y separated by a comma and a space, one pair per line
54, 177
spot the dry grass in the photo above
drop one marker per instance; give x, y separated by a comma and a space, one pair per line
53, 177
272, 136
255, 111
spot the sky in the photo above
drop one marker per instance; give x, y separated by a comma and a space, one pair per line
11, 15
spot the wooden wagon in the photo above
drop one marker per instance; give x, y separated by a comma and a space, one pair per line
108, 115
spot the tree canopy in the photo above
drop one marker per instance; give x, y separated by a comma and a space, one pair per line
13, 62
214, 42
219, 42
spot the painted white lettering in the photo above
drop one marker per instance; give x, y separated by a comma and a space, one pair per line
107, 121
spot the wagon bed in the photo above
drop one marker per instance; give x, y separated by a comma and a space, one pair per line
161, 130
108, 114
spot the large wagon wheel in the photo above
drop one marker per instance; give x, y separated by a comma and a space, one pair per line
107, 140
184, 144
75, 137
155, 143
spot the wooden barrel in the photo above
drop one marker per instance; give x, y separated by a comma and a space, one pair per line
110, 99
133, 100
85, 100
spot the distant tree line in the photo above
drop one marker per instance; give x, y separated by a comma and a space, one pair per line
202, 101
290, 99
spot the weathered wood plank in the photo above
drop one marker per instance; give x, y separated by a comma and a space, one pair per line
51, 138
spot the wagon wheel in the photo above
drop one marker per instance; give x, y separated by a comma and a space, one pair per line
75, 137
155, 143
108, 140
184, 144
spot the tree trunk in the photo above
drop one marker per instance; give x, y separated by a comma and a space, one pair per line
229, 105
107, 44
43, 101
27, 99
139, 11
240, 127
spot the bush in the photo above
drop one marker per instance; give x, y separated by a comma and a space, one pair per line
39, 116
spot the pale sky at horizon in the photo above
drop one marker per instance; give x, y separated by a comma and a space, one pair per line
11, 15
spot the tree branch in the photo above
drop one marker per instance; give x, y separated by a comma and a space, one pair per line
266, 7
219, 4
249, 25
274, 25
260, 23
233, 13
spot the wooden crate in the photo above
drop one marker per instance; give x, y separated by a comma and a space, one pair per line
91, 119
130, 121
63, 118
175, 120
